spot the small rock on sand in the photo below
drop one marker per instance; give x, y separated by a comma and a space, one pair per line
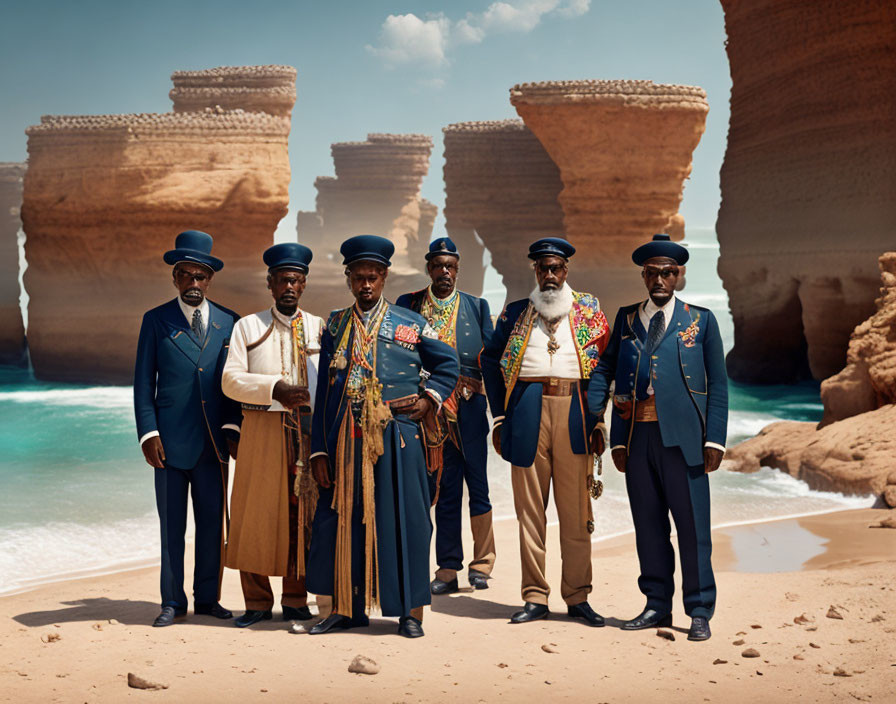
114, 622
750, 653
136, 682
833, 613
802, 619
668, 635
840, 672
798, 657
50, 637
740, 641
719, 661
877, 619
363, 665
814, 645
549, 648
97, 626
755, 625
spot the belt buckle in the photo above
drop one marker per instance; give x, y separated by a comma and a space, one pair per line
554, 381
466, 392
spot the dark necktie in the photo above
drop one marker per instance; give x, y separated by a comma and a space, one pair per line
655, 333
196, 325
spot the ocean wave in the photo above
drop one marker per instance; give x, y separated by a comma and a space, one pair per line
744, 424
111, 397
775, 484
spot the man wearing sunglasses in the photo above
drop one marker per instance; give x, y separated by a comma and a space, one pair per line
668, 432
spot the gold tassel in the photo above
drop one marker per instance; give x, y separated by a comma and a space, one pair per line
342, 503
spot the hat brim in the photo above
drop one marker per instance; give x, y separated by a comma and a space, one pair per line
367, 257
433, 255
666, 249
549, 253
193, 256
297, 266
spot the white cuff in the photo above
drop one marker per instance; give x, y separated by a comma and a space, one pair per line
715, 445
230, 426
317, 454
150, 434
617, 447
274, 381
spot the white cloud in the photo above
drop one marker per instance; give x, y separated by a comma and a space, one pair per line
406, 39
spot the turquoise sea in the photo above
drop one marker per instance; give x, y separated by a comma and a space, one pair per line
76, 496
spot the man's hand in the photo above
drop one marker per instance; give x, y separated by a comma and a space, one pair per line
496, 439
154, 452
320, 471
598, 440
623, 408
291, 396
712, 458
620, 458
423, 406
232, 446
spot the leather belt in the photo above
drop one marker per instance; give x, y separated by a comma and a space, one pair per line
468, 386
645, 411
403, 405
552, 385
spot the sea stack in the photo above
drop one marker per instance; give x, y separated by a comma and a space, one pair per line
624, 151
12, 330
808, 180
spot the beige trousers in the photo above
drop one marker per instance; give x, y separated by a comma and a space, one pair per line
554, 462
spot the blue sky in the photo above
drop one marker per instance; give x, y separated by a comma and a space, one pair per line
363, 67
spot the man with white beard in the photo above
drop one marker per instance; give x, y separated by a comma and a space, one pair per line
536, 369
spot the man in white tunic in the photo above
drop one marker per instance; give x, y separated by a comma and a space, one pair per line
271, 370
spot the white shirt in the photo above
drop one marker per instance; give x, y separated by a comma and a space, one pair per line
188, 311
250, 375
564, 363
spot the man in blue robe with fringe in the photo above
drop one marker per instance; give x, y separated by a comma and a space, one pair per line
371, 531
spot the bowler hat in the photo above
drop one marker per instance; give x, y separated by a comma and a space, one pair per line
195, 247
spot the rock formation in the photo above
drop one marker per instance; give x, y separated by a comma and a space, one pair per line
501, 185
852, 449
376, 190
12, 330
808, 178
270, 89
624, 151
104, 198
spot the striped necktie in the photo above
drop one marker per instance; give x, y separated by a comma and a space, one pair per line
196, 325
655, 333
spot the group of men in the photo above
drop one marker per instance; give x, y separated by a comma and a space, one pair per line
347, 431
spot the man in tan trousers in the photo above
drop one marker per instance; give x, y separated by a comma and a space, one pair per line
271, 369
536, 369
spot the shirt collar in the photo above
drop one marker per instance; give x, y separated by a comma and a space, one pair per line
287, 321
367, 315
650, 308
441, 302
188, 311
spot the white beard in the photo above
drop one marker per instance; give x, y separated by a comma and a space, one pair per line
552, 304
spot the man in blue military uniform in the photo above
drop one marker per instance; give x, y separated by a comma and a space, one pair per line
464, 322
187, 427
668, 432
371, 531
535, 370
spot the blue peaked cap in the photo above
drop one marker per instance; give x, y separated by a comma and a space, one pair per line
551, 247
660, 246
288, 255
367, 248
440, 246
195, 247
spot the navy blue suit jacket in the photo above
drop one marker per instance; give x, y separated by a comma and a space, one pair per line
522, 410
473, 331
398, 366
177, 383
690, 382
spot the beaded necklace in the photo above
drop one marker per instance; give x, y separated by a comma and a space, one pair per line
441, 313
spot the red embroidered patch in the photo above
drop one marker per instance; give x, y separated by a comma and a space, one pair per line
405, 333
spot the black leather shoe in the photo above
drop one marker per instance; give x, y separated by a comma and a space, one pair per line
584, 611
478, 580
213, 609
337, 622
166, 618
699, 629
530, 612
437, 586
291, 613
250, 617
648, 618
409, 627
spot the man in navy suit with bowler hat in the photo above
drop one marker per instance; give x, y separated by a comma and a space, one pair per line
187, 428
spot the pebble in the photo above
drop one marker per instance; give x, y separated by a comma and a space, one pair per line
740, 641
840, 672
802, 619
363, 665
549, 648
798, 657
813, 645
755, 625
668, 635
833, 613
50, 637
719, 661
750, 653
137, 682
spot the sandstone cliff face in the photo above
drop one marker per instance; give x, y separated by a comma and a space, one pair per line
808, 178
376, 190
869, 379
501, 185
270, 89
104, 198
12, 330
852, 450
624, 151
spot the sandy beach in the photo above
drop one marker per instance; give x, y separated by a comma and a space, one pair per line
78, 640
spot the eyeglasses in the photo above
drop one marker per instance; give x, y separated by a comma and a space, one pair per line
554, 269
664, 273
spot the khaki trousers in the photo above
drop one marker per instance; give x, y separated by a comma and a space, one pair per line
554, 462
260, 597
